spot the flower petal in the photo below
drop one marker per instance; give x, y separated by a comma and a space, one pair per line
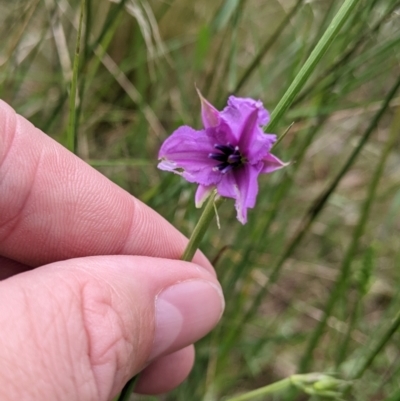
222, 134
209, 114
246, 179
210, 158
236, 114
241, 185
272, 163
253, 142
186, 152
242, 120
226, 187
257, 145
187, 147
240, 102
235, 119
202, 193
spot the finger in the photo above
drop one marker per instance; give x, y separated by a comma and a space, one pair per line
79, 329
63, 208
10, 267
166, 373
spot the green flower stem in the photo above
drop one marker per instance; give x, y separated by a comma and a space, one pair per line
128, 389
263, 391
213, 202
312, 61
318, 384
201, 227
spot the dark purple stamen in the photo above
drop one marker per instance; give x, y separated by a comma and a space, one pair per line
217, 156
229, 167
234, 158
226, 149
230, 158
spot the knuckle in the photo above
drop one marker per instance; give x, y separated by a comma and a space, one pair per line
109, 344
7, 130
18, 173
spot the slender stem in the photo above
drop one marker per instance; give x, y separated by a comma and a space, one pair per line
308, 219
201, 227
382, 341
266, 390
319, 384
312, 61
128, 389
198, 233
283, 136
71, 137
267, 46
326, 77
384, 338
340, 286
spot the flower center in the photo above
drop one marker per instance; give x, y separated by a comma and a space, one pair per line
229, 157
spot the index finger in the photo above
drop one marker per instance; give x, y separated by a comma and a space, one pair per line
54, 206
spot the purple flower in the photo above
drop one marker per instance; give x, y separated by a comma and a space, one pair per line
228, 154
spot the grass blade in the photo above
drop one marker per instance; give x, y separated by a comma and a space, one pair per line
72, 131
311, 63
267, 45
347, 261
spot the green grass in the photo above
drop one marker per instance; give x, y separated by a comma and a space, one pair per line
311, 282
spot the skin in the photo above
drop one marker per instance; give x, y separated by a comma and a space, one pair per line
88, 276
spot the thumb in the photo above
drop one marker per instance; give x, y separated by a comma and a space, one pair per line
79, 329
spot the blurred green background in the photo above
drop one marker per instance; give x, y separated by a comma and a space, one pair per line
312, 281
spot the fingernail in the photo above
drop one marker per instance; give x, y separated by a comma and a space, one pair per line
185, 312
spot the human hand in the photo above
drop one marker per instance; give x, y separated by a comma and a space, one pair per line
76, 325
